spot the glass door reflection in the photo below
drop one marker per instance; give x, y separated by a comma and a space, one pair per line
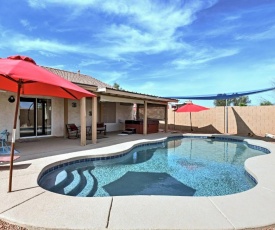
35, 117
27, 117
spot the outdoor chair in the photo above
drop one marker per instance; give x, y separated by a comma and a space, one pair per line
101, 127
73, 131
4, 138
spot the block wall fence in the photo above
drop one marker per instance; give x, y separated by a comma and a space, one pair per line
242, 120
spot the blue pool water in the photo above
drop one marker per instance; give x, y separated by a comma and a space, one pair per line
177, 167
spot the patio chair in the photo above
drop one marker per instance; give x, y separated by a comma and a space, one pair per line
73, 131
4, 138
101, 127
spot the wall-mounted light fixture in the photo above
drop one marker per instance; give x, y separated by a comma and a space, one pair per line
90, 113
73, 104
11, 99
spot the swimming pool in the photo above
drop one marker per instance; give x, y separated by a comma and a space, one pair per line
178, 166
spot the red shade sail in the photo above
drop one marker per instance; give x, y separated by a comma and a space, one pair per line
21, 74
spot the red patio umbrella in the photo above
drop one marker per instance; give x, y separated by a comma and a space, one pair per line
190, 107
21, 74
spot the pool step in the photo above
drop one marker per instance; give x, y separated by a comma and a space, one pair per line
89, 185
70, 188
59, 188
81, 183
73, 182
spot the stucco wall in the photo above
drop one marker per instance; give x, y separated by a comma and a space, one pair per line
241, 120
7, 110
123, 112
57, 116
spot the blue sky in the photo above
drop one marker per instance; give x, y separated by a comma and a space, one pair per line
157, 47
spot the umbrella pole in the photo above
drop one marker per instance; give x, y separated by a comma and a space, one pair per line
13, 134
191, 122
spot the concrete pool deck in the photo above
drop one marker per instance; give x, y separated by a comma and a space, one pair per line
32, 207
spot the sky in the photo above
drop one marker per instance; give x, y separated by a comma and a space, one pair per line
157, 47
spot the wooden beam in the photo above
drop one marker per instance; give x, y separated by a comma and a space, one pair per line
145, 119
83, 121
166, 118
66, 116
94, 120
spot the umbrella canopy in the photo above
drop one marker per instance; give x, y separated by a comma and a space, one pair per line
35, 80
21, 74
190, 107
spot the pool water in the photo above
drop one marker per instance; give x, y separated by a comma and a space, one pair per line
176, 167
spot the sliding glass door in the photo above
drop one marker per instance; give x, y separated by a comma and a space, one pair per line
35, 117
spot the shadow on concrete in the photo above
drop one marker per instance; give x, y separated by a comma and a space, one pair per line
205, 129
6, 166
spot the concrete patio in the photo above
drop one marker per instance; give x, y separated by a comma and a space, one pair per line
32, 207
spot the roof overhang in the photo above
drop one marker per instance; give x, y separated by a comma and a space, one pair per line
122, 95
136, 96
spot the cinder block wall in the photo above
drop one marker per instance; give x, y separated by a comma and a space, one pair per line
241, 120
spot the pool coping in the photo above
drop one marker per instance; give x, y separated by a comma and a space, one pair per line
35, 208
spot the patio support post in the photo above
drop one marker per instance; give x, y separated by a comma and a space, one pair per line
145, 119
94, 120
66, 116
83, 121
166, 118
226, 117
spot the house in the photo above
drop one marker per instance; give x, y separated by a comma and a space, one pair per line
47, 116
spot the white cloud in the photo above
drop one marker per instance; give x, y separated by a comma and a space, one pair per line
57, 66
110, 77
125, 40
26, 44
267, 34
37, 3
148, 26
16, 42
200, 57
25, 23
152, 25
90, 62
232, 18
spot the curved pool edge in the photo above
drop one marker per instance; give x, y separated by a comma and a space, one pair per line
87, 157
250, 209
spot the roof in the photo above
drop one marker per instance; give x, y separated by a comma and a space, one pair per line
83, 79
78, 78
